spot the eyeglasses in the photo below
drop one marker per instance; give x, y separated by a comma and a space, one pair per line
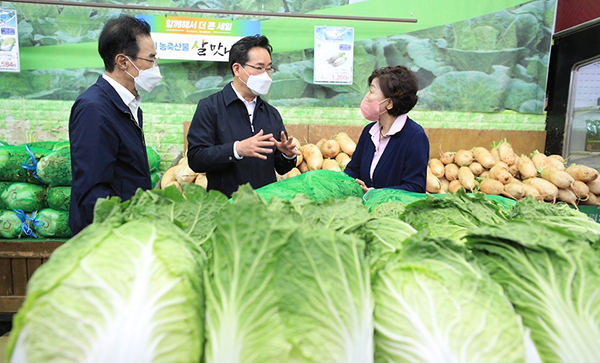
262, 69
153, 61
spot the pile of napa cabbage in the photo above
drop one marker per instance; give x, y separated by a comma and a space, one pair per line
201, 278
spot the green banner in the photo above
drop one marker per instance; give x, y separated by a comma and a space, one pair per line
469, 55
290, 34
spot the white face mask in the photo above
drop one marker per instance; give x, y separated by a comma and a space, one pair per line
259, 85
147, 79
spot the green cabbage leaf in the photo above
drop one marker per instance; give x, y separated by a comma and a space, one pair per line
453, 215
243, 323
326, 301
558, 215
125, 294
194, 213
433, 303
552, 277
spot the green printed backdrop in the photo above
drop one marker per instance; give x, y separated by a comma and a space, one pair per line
475, 60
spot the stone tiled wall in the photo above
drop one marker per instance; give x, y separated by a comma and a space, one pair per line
37, 120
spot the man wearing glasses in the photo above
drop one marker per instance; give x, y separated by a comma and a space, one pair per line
108, 151
235, 136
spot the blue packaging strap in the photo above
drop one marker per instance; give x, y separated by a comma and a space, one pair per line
25, 228
33, 165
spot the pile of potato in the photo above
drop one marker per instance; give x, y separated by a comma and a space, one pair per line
328, 154
182, 174
499, 171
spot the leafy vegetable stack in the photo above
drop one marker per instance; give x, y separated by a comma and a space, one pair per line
163, 277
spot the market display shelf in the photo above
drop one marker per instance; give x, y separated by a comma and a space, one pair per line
18, 261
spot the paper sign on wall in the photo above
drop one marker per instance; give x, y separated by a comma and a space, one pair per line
200, 39
334, 55
9, 42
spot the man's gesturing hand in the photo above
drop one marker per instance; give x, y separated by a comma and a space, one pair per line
286, 146
256, 146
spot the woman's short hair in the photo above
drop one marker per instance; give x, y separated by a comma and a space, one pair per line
120, 35
398, 84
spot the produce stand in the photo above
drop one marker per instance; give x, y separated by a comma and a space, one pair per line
523, 142
18, 260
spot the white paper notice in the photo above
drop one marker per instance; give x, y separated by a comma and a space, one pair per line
334, 55
9, 42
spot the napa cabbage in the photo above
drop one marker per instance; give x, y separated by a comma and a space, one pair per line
285, 284
552, 277
453, 215
194, 213
127, 294
326, 301
384, 236
243, 323
558, 215
433, 303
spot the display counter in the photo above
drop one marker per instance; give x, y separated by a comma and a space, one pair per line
18, 261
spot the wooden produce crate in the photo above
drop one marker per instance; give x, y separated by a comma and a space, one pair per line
18, 260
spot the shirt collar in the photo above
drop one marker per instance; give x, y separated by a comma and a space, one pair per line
239, 95
397, 126
123, 92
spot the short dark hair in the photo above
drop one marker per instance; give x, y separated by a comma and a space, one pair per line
398, 84
239, 50
120, 35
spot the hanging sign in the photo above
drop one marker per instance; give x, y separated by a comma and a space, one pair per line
9, 42
199, 39
334, 55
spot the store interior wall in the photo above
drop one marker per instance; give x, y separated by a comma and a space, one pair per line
481, 65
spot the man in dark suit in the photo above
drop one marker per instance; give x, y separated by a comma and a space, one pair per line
235, 136
108, 151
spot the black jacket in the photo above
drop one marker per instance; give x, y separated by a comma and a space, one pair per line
219, 121
108, 152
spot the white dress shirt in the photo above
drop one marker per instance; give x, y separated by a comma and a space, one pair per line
128, 98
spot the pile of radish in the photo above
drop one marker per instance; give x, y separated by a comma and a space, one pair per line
328, 154
499, 171
182, 174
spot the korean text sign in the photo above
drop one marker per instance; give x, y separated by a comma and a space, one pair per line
201, 39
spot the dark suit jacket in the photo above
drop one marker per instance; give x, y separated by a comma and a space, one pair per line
219, 121
403, 164
108, 152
